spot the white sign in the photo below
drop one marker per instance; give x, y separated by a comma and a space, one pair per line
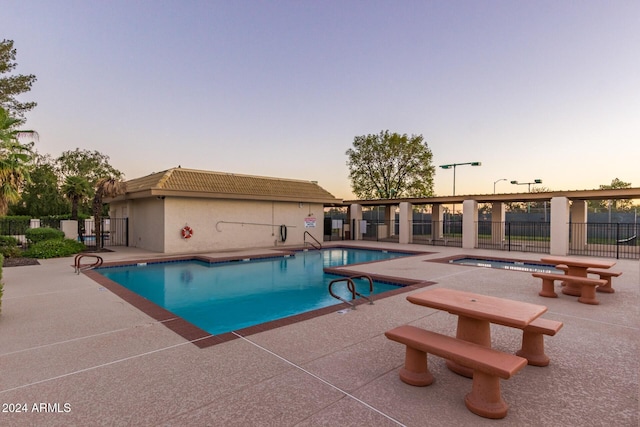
309, 222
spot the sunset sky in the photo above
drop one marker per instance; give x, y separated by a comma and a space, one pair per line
544, 90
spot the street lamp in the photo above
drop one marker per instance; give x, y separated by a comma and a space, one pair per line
495, 182
535, 181
453, 165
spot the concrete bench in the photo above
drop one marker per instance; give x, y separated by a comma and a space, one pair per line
587, 286
533, 340
603, 274
488, 366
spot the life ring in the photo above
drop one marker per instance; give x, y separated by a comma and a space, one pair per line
283, 232
187, 232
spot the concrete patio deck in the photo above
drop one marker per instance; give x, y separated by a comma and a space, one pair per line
93, 359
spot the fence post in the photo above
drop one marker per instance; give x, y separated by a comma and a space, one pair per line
617, 240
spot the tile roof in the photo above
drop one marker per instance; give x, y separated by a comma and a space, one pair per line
209, 184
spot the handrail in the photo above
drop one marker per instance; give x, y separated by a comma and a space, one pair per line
363, 276
351, 286
306, 233
78, 267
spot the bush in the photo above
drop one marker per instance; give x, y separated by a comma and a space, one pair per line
36, 235
54, 248
9, 247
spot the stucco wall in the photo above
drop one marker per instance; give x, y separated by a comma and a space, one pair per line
156, 224
146, 222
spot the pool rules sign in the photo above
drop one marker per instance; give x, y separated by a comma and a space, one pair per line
310, 222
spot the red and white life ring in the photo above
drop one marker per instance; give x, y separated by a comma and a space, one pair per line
187, 232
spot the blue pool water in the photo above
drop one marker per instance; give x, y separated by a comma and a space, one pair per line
229, 296
507, 265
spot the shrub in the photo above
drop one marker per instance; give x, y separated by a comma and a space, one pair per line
9, 247
36, 235
54, 248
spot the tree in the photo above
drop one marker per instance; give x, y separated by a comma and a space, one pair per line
615, 205
15, 159
90, 165
11, 86
76, 188
105, 187
41, 196
390, 165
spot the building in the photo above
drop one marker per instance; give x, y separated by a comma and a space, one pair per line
187, 210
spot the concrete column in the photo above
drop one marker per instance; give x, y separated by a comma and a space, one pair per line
498, 218
578, 224
469, 224
355, 216
559, 244
406, 222
390, 219
69, 228
437, 221
34, 223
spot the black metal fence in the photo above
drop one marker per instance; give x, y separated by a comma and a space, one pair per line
437, 233
115, 232
613, 240
514, 236
379, 230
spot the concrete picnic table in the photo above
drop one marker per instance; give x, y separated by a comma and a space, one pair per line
476, 313
576, 267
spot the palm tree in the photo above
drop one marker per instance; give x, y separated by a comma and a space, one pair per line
75, 188
105, 187
15, 159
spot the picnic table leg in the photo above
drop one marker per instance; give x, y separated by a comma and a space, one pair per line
588, 295
572, 288
485, 398
472, 330
547, 289
606, 288
533, 349
415, 370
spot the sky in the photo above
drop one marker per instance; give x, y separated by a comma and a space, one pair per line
541, 89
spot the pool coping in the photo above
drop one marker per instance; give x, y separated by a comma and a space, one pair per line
203, 339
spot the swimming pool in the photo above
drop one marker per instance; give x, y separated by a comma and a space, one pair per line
224, 297
507, 264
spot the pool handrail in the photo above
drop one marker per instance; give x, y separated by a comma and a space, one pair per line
78, 267
351, 286
306, 233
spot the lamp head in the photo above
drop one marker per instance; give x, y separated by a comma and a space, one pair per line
476, 163
537, 181
514, 182
446, 166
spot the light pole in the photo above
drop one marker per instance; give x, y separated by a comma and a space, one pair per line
453, 165
535, 181
495, 182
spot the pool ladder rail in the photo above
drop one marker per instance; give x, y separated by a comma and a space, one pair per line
78, 266
317, 245
351, 286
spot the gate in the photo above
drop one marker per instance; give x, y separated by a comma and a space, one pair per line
115, 232
615, 240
